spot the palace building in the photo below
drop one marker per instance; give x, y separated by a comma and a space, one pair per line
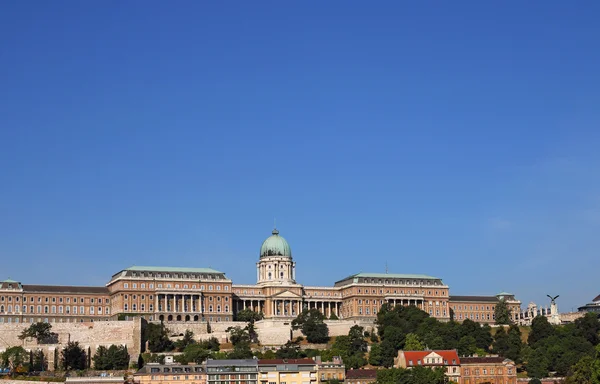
203, 294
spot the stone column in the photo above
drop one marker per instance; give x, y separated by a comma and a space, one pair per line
329, 309
252, 305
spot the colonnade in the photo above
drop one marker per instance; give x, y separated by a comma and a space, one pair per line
182, 303
289, 307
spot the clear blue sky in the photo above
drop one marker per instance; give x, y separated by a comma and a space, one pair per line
453, 139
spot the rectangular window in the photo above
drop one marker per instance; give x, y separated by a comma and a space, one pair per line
82, 310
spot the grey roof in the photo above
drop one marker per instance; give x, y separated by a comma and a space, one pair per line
65, 289
491, 299
389, 276
170, 269
231, 362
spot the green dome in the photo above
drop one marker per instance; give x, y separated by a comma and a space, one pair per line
275, 245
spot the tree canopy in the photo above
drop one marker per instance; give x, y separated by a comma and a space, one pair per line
73, 357
311, 323
113, 357
41, 332
502, 313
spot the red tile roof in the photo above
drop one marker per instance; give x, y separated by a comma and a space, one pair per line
361, 374
286, 361
415, 356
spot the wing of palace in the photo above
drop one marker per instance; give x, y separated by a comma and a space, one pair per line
206, 295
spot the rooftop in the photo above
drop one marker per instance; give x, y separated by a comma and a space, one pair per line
490, 299
286, 361
361, 374
483, 360
65, 289
170, 269
390, 276
230, 363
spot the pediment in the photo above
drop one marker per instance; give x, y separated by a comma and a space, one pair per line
286, 295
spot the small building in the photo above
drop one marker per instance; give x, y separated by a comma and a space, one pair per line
447, 359
330, 370
488, 369
287, 371
361, 376
232, 371
154, 373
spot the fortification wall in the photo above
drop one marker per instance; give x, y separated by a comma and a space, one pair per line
89, 335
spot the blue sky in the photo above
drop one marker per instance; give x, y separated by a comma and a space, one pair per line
456, 139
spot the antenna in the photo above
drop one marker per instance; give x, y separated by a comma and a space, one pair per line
386, 268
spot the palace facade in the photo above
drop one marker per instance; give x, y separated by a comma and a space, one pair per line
204, 294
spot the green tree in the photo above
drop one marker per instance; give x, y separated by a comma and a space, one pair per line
249, 316
375, 357
537, 364
140, 362
211, 344
15, 359
540, 329
500, 345
515, 344
311, 323
466, 346
240, 339
502, 313
41, 332
356, 339
196, 353
40, 362
535, 381
101, 358
333, 316
187, 339
73, 357
413, 343
118, 357
388, 353
588, 327
157, 336
290, 350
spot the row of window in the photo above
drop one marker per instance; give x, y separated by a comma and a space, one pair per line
54, 299
477, 371
185, 286
399, 282
142, 308
470, 307
46, 320
52, 309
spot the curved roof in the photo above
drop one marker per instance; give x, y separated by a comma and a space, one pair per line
275, 245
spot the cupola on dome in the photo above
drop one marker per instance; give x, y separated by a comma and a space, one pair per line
275, 245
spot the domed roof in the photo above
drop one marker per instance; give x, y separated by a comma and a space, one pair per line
275, 245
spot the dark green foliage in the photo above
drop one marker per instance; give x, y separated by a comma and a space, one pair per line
537, 364
208, 328
157, 336
73, 357
240, 338
140, 361
40, 331
502, 313
467, 346
535, 381
188, 338
500, 344
289, 351
312, 324
589, 328
113, 357
333, 317
351, 348
375, 357
416, 375
14, 358
249, 316
540, 329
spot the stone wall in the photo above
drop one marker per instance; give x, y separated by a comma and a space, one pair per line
90, 335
